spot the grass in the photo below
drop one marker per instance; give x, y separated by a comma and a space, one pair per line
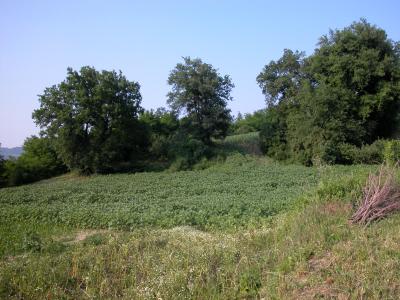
247, 143
247, 228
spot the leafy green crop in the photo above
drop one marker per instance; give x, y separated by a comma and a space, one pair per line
239, 192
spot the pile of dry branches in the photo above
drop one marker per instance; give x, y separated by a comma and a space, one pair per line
381, 197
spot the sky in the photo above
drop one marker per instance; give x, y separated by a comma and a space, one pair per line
146, 39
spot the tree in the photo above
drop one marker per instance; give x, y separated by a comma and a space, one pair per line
250, 122
347, 93
161, 125
280, 80
202, 94
360, 67
92, 119
160, 121
37, 161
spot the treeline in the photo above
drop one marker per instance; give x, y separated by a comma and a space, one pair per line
93, 122
337, 105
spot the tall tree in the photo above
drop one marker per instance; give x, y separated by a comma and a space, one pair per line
202, 94
360, 67
280, 80
92, 118
346, 93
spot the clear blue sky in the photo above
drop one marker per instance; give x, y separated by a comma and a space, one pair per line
145, 40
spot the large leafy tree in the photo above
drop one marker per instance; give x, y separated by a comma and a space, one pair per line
346, 93
92, 119
360, 67
201, 94
280, 82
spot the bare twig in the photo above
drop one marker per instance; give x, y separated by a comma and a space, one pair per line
381, 197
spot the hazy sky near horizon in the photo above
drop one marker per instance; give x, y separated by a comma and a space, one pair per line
145, 40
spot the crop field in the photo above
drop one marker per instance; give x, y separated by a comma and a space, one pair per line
245, 228
241, 192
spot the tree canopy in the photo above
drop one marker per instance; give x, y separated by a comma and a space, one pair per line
92, 119
346, 94
201, 94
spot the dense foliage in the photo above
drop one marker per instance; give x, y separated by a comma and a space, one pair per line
202, 95
250, 122
38, 161
92, 119
161, 125
3, 178
345, 94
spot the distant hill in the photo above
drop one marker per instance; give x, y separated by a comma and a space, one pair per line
7, 152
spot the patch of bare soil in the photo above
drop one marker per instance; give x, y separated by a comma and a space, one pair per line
80, 236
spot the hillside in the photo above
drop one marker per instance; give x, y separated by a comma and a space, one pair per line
8, 152
244, 228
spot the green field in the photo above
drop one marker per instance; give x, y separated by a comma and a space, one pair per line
241, 192
243, 228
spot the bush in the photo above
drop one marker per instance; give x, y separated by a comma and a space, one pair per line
391, 152
367, 154
371, 154
250, 122
244, 128
159, 146
272, 139
3, 178
186, 150
38, 161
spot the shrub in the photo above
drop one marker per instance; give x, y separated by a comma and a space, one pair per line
391, 152
366, 154
244, 128
371, 154
38, 161
3, 178
186, 150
